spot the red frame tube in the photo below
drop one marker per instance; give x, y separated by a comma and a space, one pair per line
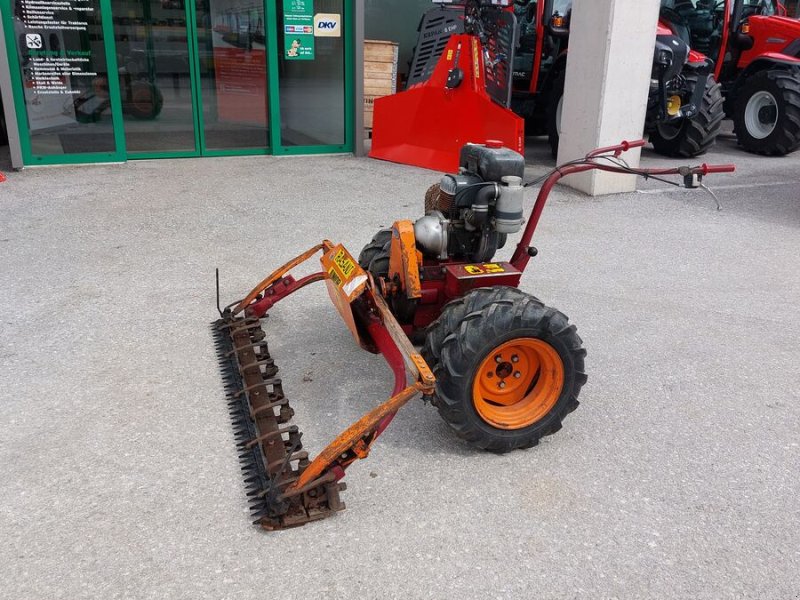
521, 257
275, 293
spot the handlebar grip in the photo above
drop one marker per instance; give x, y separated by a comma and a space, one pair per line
706, 169
625, 145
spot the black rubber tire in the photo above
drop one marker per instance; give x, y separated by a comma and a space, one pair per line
696, 135
379, 265
374, 247
552, 112
467, 331
784, 85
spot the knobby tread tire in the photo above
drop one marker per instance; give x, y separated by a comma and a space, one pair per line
467, 331
699, 133
374, 247
784, 85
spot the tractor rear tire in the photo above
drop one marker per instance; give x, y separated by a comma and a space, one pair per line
766, 117
692, 137
508, 369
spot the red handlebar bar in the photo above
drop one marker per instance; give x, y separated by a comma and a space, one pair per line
717, 168
618, 149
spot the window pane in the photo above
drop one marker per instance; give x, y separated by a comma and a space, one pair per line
311, 74
233, 73
155, 75
64, 76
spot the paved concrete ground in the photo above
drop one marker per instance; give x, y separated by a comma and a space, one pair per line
676, 478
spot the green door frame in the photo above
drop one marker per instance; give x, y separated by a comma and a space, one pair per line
30, 159
273, 94
188, 13
348, 6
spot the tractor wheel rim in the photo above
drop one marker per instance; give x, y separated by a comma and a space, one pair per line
761, 115
518, 383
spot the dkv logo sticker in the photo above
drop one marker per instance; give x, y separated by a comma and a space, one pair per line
327, 25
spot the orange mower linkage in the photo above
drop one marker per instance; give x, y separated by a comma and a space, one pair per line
502, 368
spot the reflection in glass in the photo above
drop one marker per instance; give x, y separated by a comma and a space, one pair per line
312, 91
155, 75
65, 78
233, 73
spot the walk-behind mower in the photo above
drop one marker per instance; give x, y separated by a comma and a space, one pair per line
758, 64
502, 368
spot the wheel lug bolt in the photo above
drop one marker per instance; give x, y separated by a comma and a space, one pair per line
515, 358
501, 385
498, 359
517, 374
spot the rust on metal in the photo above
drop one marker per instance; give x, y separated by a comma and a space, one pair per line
404, 260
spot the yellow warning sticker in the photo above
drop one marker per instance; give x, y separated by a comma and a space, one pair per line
484, 269
344, 262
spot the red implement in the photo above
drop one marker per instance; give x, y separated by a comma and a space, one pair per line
427, 125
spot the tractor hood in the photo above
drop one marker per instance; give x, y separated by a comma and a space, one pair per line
773, 38
776, 34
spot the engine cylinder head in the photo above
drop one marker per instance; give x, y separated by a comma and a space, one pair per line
437, 199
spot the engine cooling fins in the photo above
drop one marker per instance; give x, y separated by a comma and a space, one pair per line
269, 445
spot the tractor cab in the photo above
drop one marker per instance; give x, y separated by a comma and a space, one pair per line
543, 35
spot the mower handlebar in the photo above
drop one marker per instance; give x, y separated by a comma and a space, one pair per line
618, 149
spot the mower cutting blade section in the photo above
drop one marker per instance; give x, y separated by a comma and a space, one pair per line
287, 489
270, 447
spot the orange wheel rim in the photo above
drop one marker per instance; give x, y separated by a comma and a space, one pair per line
518, 383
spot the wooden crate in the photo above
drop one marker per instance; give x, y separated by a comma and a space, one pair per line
380, 74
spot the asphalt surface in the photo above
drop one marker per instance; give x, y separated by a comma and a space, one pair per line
677, 477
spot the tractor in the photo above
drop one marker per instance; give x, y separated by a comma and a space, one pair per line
757, 52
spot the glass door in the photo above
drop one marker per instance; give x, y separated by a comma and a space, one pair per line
155, 77
314, 75
232, 75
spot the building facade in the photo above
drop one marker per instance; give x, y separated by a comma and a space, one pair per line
113, 80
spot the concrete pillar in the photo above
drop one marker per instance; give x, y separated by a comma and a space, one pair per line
609, 63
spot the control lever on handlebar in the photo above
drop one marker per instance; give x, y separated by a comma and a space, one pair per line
693, 177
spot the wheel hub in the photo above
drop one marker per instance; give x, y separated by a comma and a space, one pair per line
761, 115
518, 383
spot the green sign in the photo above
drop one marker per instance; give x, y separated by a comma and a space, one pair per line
298, 29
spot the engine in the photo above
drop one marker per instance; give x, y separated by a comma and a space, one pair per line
469, 215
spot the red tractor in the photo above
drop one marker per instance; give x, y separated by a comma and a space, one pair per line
757, 53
